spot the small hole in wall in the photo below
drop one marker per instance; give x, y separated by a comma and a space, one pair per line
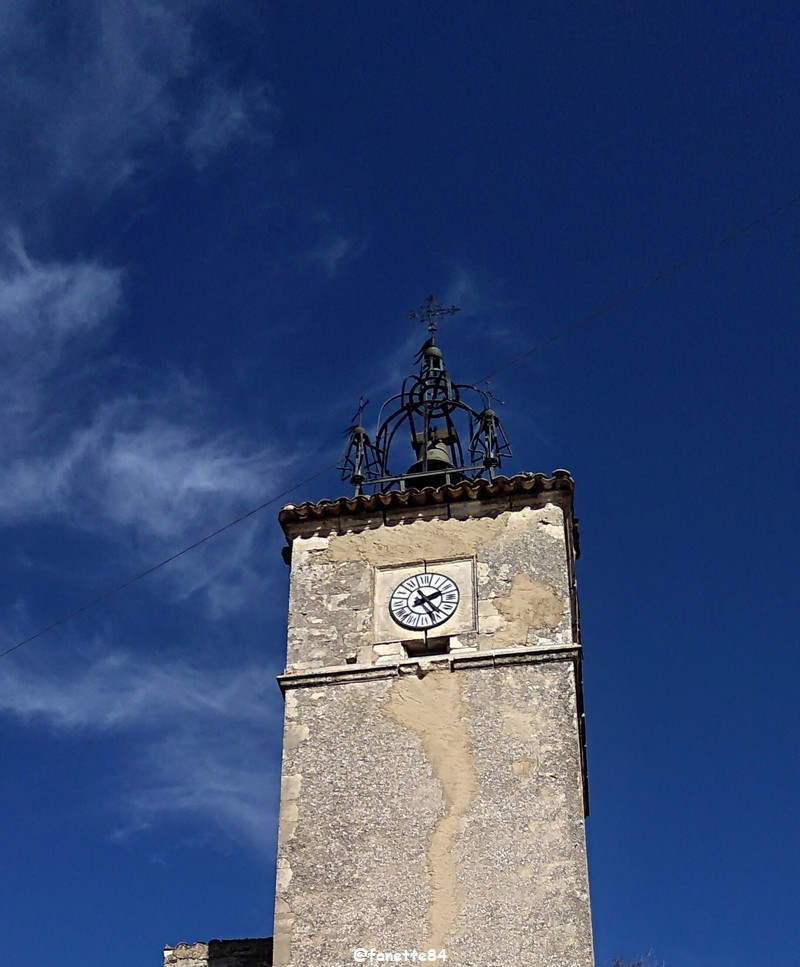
427, 646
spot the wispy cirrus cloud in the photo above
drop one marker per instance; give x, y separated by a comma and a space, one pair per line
329, 255
47, 311
209, 776
92, 86
119, 691
190, 736
226, 116
134, 467
335, 245
149, 466
148, 461
99, 97
472, 289
55, 301
95, 89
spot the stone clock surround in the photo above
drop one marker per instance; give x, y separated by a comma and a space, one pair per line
385, 630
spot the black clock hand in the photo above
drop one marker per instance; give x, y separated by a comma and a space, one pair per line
426, 603
429, 599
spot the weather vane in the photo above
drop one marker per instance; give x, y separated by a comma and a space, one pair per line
431, 311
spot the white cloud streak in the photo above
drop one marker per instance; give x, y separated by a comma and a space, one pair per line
331, 254
227, 116
221, 780
91, 86
54, 301
193, 736
118, 692
44, 311
93, 91
150, 463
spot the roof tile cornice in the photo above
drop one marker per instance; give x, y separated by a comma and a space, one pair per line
521, 484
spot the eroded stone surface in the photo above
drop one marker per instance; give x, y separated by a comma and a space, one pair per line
522, 584
435, 801
442, 811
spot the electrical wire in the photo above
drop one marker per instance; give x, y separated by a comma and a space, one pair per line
566, 331
630, 293
167, 560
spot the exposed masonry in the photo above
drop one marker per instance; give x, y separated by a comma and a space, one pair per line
524, 587
434, 800
221, 953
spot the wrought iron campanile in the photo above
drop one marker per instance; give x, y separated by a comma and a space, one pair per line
454, 432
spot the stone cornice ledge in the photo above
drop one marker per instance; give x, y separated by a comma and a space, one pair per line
342, 674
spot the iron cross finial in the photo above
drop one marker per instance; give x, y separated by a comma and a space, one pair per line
490, 395
431, 311
355, 419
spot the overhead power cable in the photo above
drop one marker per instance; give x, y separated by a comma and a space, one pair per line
567, 330
167, 560
630, 293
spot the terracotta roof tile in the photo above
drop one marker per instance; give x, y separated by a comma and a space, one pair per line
480, 489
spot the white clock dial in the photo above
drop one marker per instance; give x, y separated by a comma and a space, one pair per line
424, 600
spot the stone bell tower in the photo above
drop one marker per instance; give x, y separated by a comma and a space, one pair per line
433, 786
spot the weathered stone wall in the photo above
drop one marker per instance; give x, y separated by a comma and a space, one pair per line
256, 952
435, 801
442, 811
524, 587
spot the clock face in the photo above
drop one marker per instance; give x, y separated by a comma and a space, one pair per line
424, 600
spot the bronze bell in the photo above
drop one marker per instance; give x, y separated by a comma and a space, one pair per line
438, 465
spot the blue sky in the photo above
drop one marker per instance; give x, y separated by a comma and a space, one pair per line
214, 219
